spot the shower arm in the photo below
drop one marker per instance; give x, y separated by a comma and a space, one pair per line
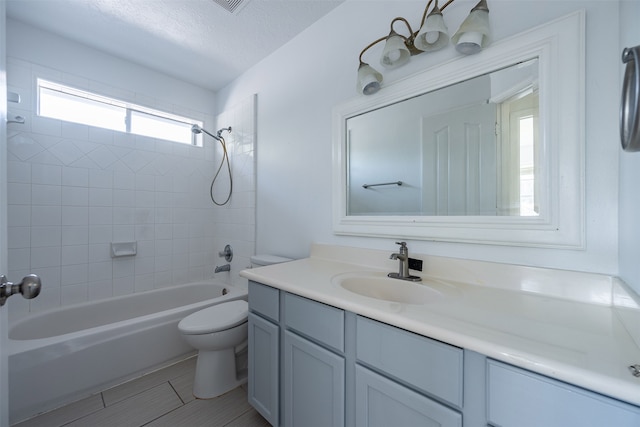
196, 129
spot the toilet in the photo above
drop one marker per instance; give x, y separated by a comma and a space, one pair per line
219, 333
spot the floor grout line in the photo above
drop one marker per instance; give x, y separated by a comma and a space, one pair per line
191, 410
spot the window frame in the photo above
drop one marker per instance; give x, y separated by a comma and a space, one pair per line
127, 107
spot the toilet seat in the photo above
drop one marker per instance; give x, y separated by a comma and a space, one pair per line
215, 318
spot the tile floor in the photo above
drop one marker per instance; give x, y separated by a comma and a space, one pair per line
161, 398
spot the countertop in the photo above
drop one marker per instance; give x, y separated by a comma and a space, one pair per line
577, 327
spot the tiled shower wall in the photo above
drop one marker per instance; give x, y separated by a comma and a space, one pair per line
74, 189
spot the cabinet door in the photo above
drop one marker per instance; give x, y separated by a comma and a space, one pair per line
519, 398
381, 402
313, 384
264, 373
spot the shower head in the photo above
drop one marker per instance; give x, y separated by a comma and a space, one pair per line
196, 129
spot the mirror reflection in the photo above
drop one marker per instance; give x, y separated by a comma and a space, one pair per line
471, 148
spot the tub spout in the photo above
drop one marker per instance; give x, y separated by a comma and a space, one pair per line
226, 267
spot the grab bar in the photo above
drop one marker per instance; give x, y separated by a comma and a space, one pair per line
398, 183
630, 104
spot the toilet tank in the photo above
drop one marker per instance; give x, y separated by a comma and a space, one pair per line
266, 259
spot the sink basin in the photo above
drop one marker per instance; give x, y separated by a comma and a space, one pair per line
381, 287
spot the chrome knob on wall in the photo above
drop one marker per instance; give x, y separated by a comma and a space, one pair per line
29, 287
227, 253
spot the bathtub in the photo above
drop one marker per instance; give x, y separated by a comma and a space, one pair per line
65, 354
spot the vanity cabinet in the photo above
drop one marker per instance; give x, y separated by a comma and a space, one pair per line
519, 398
311, 364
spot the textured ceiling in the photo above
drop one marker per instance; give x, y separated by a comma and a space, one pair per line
195, 40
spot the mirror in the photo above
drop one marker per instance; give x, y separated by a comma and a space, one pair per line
465, 149
483, 149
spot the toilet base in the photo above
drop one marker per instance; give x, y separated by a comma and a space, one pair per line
215, 373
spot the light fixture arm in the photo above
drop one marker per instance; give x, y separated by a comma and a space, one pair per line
409, 40
369, 46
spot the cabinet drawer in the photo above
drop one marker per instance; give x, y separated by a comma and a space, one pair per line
431, 366
520, 398
318, 321
264, 300
382, 402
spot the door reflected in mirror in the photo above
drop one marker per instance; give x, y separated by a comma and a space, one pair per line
471, 148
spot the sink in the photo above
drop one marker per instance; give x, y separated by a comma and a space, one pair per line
381, 287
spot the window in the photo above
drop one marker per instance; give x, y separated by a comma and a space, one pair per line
61, 102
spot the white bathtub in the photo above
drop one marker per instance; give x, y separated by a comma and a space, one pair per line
62, 355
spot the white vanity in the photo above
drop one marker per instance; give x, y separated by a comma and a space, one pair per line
485, 345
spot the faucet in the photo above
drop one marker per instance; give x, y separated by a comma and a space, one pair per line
226, 267
403, 259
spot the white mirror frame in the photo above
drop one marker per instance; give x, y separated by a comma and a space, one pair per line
559, 45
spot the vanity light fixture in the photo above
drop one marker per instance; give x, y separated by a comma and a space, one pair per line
473, 35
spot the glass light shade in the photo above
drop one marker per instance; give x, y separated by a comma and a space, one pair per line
433, 35
395, 52
368, 79
474, 34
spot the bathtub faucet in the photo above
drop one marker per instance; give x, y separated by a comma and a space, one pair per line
226, 267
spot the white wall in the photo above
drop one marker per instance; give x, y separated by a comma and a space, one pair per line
74, 189
629, 165
299, 84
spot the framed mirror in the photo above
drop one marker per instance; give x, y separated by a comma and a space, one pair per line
483, 149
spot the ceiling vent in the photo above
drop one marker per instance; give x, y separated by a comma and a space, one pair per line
232, 6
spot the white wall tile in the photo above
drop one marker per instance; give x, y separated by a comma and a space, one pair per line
46, 194
124, 180
100, 271
123, 267
124, 233
75, 234
19, 259
74, 274
19, 215
100, 215
49, 215
46, 174
124, 198
19, 172
45, 257
75, 177
18, 193
99, 252
100, 178
75, 254
99, 290
18, 237
46, 236
100, 234
75, 216
124, 286
101, 197
74, 196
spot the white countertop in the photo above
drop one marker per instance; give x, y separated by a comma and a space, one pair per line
577, 327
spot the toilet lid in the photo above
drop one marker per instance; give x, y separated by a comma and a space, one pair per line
215, 318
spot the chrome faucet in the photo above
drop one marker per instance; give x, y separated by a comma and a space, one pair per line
403, 259
226, 267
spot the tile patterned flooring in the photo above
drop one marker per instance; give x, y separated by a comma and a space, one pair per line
161, 398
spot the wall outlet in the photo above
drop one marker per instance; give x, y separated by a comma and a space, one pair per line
415, 264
